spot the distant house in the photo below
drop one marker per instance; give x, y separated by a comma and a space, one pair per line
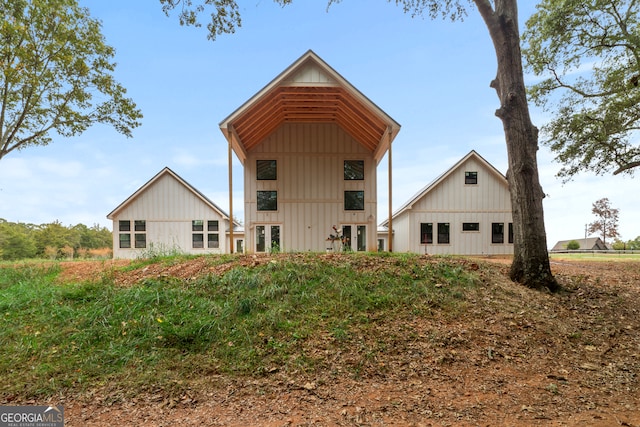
465, 211
168, 215
310, 144
588, 244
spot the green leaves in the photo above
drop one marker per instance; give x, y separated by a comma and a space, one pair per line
588, 54
56, 75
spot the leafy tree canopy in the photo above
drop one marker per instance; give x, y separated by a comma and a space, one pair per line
606, 223
588, 53
56, 75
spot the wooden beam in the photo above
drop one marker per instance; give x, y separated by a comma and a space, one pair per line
390, 235
231, 242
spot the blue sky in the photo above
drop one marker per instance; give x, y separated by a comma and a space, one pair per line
430, 76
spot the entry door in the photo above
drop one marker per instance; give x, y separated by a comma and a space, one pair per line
354, 237
267, 238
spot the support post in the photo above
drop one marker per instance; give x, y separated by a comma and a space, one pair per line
231, 242
390, 235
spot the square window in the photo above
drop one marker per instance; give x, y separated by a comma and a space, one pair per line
497, 232
426, 233
124, 225
267, 200
197, 225
443, 232
198, 240
354, 170
140, 225
266, 170
213, 241
212, 226
125, 240
471, 177
354, 200
470, 226
141, 240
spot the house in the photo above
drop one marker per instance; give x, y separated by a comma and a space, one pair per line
465, 211
588, 244
168, 215
310, 144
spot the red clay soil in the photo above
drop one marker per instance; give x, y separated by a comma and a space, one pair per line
515, 357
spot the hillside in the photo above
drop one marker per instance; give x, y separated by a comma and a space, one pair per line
471, 349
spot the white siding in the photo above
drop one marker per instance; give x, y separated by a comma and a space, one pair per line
454, 202
168, 209
310, 185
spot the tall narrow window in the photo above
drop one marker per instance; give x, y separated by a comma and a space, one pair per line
510, 232
426, 233
197, 238
260, 238
213, 241
471, 177
354, 200
361, 238
443, 232
213, 238
354, 170
125, 238
497, 232
267, 200
266, 170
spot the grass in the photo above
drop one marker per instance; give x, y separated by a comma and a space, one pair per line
72, 337
595, 256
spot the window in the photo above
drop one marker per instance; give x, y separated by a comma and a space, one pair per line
125, 240
213, 238
497, 232
140, 225
266, 170
471, 177
443, 232
354, 170
426, 233
141, 240
267, 200
197, 240
470, 226
354, 200
510, 232
213, 241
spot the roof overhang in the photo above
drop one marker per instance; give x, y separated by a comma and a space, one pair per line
309, 91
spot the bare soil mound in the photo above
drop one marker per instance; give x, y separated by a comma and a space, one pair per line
514, 357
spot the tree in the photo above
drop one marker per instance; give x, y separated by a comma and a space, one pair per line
606, 225
56, 75
531, 262
589, 55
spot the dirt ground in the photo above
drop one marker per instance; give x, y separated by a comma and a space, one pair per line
527, 358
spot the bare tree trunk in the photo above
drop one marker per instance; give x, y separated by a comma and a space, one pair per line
531, 260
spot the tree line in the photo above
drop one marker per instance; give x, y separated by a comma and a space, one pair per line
53, 241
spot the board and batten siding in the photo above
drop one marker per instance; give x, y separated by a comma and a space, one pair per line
310, 185
168, 209
454, 202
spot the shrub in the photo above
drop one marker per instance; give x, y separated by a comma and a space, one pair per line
573, 245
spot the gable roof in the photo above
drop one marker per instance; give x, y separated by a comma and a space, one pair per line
152, 181
588, 244
436, 182
309, 91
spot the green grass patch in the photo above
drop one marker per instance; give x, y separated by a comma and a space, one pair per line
70, 337
595, 256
